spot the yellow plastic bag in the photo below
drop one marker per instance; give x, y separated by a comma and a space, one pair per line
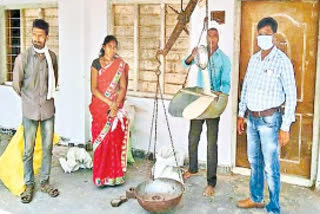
11, 164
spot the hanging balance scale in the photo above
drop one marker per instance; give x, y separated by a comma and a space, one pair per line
163, 194
157, 195
160, 195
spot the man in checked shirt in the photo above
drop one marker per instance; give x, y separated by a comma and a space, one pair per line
269, 82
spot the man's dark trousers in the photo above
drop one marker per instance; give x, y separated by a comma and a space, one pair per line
212, 148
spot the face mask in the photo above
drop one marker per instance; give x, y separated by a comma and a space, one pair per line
265, 42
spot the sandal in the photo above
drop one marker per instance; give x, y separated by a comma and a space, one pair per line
27, 195
47, 188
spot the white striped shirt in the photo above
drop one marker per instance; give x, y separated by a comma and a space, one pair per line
268, 84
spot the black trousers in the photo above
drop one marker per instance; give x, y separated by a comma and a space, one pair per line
212, 148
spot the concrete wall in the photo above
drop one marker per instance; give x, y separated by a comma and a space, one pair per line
84, 30
147, 18
180, 127
70, 99
96, 20
144, 108
226, 45
81, 32
317, 165
10, 108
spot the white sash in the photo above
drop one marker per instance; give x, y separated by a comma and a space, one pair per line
51, 77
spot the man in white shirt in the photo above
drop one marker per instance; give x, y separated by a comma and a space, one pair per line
269, 82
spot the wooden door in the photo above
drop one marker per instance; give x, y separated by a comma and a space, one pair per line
297, 36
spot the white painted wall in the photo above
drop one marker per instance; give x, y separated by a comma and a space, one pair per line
82, 30
10, 107
82, 27
144, 109
96, 31
70, 99
318, 163
226, 45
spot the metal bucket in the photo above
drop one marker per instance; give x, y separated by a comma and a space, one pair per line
186, 96
160, 195
202, 57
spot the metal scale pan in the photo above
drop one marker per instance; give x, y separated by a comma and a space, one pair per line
159, 195
163, 194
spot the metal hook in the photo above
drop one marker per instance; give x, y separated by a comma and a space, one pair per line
182, 10
158, 72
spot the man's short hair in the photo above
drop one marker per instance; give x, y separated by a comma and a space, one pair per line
268, 21
40, 23
213, 29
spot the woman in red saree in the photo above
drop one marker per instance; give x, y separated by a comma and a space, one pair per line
109, 77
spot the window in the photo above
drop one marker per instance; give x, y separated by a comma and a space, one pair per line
13, 32
141, 29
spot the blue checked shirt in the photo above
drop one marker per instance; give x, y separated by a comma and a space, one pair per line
268, 84
219, 69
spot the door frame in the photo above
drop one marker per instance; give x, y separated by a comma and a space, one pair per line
316, 117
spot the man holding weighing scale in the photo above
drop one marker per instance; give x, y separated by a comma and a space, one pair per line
219, 70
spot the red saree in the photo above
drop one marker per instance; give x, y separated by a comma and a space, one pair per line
109, 135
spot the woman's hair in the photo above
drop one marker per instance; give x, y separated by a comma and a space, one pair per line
106, 40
